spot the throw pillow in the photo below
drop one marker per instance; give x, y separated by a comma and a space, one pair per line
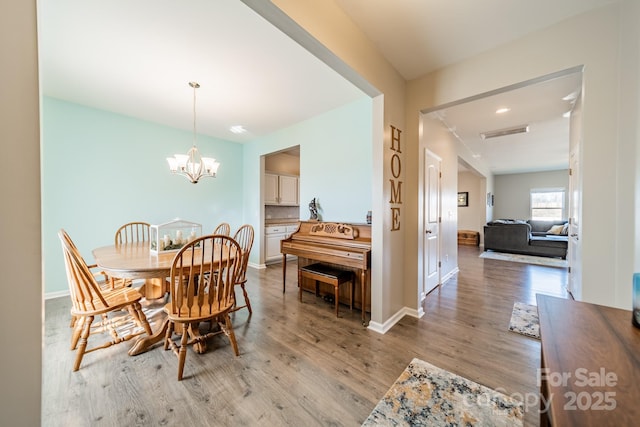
565, 229
556, 229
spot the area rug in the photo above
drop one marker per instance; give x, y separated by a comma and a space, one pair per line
527, 259
524, 320
425, 395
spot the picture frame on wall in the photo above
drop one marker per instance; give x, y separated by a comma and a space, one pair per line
489, 196
463, 199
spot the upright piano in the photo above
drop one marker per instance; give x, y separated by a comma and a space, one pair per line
347, 245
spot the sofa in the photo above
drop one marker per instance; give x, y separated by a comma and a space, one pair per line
531, 237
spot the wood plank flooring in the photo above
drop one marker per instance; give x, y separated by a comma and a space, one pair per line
299, 365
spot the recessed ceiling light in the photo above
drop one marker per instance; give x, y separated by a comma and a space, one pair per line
237, 129
503, 110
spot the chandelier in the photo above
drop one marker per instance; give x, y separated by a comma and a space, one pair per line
192, 165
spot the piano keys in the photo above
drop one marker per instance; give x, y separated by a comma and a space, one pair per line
347, 245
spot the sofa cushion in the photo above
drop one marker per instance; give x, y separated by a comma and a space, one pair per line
543, 226
549, 241
555, 229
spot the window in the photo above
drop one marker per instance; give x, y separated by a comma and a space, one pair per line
547, 204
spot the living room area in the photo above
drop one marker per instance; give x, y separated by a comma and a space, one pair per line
528, 219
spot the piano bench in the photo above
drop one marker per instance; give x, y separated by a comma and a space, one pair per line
327, 274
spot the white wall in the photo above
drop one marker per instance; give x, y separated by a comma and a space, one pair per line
628, 220
512, 192
21, 284
472, 217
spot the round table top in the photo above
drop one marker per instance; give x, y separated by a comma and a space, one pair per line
134, 261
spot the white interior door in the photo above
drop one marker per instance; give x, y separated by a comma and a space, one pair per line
431, 262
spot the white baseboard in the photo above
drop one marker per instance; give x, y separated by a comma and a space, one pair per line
449, 275
257, 266
382, 328
57, 294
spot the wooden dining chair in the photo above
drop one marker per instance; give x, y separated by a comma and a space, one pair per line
202, 279
132, 232
223, 228
117, 309
244, 237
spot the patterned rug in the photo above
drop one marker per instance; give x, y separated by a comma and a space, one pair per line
425, 395
527, 259
524, 320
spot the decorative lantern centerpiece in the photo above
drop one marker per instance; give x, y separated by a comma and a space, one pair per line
173, 235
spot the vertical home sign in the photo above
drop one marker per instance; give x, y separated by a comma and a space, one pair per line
396, 185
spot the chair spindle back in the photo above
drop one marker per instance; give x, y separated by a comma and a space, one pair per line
133, 232
85, 291
223, 228
244, 237
203, 276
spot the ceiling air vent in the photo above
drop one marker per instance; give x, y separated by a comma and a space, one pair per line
505, 132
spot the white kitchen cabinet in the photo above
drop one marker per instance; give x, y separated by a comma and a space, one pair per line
288, 190
273, 235
281, 190
271, 189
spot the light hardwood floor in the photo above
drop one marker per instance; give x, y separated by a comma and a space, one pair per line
298, 364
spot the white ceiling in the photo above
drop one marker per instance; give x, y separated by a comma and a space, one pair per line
419, 36
137, 57
540, 105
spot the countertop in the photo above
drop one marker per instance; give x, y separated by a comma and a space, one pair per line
281, 221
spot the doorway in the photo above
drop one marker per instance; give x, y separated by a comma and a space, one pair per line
279, 200
485, 132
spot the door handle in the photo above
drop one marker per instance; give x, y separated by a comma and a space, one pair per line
574, 235
428, 231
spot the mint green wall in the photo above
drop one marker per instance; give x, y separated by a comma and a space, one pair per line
335, 165
101, 170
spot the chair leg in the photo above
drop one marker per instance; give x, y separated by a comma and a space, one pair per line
77, 331
246, 299
168, 334
86, 331
228, 330
337, 287
182, 354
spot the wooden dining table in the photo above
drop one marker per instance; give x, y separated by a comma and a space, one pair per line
137, 261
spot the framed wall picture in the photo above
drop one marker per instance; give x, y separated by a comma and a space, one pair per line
489, 199
463, 199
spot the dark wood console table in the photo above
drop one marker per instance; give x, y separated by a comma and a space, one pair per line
590, 364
